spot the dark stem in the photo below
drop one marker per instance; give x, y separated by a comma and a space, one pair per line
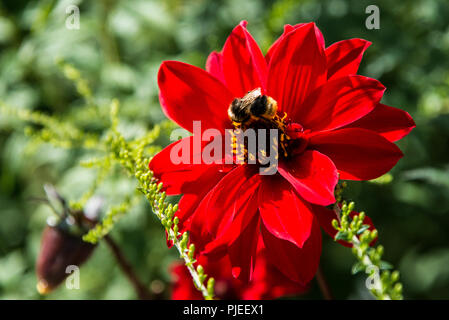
142, 292
324, 286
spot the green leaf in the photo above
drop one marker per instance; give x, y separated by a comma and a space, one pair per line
356, 268
341, 236
363, 228
385, 265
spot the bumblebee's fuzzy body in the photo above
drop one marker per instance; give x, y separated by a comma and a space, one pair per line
252, 107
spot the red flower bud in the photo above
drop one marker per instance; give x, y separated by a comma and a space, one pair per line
59, 249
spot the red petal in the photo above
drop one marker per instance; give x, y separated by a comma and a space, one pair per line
182, 178
268, 282
245, 207
283, 212
199, 235
242, 252
313, 175
189, 202
325, 217
188, 94
298, 264
244, 65
231, 198
287, 29
214, 65
182, 285
167, 241
358, 154
297, 67
343, 58
340, 102
391, 123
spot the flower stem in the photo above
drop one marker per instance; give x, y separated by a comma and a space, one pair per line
324, 286
142, 292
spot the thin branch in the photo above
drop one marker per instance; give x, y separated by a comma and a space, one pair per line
142, 292
324, 286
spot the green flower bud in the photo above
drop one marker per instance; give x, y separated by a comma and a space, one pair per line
335, 224
362, 216
210, 287
351, 206
175, 230
200, 270
395, 276
191, 251
398, 288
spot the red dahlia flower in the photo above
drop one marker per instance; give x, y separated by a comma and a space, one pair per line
334, 124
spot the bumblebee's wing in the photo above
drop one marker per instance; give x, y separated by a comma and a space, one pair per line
252, 95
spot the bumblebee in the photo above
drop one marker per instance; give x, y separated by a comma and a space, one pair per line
252, 107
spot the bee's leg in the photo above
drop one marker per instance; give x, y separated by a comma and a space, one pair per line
284, 116
278, 122
283, 137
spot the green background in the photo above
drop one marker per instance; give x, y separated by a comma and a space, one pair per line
119, 48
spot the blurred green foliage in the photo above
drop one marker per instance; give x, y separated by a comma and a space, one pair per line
118, 49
